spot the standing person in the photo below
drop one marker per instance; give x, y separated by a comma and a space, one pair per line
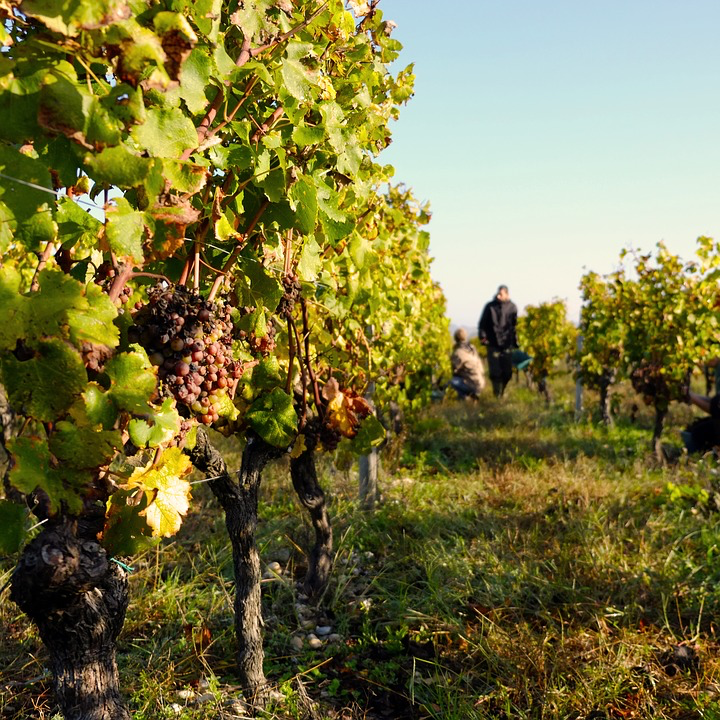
468, 375
497, 331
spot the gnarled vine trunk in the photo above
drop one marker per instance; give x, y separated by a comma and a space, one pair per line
239, 499
305, 481
66, 584
543, 389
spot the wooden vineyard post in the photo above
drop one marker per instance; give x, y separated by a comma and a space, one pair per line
368, 464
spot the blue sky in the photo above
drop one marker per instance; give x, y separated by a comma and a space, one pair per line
549, 135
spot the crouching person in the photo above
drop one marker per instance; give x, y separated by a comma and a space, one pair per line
468, 378
703, 435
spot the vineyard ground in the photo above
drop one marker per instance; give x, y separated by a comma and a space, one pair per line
519, 565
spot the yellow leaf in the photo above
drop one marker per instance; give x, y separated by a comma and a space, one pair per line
167, 489
299, 447
341, 415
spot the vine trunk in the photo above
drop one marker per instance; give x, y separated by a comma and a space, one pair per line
239, 500
305, 481
67, 586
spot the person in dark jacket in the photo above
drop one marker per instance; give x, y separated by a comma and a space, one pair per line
497, 330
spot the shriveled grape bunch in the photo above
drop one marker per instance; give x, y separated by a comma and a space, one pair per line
257, 345
652, 383
188, 338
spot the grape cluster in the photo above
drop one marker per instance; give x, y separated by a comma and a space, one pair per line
317, 432
293, 288
649, 380
188, 339
104, 277
257, 345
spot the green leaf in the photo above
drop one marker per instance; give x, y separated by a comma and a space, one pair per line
64, 306
304, 135
12, 526
166, 132
349, 159
207, 15
65, 105
310, 260
185, 177
303, 200
250, 18
64, 158
273, 418
264, 289
126, 531
125, 103
297, 76
266, 374
226, 407
253, 323
83, 446
370, 434
26, 208
93, 321
76, 227
69, 17
45, 386
359, 248
334, 123
224, 229
95, 408
165, 426
195, 79
297, 79
132, 381
271, 181
118, 166
124, 230
141, 55
16, 313
33, 470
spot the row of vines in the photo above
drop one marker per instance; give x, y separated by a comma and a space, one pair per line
195, 233
653, 321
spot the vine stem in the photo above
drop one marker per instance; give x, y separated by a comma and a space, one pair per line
311, 372
302, 371
234, 254
288, 252
291, 357
287, 35
185, 271
246, 366
120, 281
203, 129
276, 115
151, 275
42, 262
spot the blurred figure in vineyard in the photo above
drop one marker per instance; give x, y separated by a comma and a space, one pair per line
704, 434
497, 331
468, 378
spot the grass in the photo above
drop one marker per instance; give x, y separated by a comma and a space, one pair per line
520, 565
